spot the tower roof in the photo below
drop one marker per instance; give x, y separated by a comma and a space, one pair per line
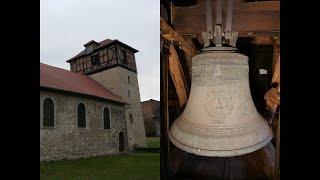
60, 79
104, 43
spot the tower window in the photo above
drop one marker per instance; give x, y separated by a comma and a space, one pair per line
95, 60
123, 56
81, 115
128, 79
89, 49
48, 113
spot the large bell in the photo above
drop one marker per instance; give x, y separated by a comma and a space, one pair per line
220, 118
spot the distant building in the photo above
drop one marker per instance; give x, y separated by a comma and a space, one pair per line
94, 109
151, 117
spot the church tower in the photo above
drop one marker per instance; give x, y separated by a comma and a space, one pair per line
112, 64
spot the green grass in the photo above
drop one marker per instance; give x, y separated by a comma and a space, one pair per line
153, 141
142, 166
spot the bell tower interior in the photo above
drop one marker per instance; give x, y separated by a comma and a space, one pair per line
253, 28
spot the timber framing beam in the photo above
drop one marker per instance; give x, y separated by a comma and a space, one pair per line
262, 6
178, 77
276, 51
171, 35
249, 19
276, 73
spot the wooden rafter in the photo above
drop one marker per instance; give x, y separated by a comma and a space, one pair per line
262, 6
249, 19
276, 73
178, 77
171, 35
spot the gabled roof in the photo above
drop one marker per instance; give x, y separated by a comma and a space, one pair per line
90, 42
101, 45
60, 79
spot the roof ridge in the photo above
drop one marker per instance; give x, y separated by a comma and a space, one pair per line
63, 69
101, 44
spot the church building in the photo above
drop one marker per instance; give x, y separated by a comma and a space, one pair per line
95, 108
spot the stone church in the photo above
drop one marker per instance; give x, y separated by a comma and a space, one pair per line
94, 109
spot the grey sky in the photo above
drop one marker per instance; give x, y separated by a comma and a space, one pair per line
66, 25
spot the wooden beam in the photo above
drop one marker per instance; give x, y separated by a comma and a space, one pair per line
171, 35
178, 77
276, 73
254, 33
247, 19
259, 22
272, 97
262, 6
262, 40
276, 51
164, 127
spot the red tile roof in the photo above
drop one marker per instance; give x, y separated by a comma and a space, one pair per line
101, 44
61, 79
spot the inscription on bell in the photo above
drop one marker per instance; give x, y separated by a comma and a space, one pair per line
219, 106
205, 75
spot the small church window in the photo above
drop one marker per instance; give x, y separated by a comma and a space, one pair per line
128, 79
81, 115
95, 60
131, 118
106, 118
48, 113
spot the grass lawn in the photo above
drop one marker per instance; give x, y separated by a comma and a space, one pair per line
143, 166
153, 141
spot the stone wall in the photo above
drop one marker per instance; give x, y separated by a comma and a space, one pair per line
66, 141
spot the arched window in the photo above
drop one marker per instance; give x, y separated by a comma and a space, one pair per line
48, 113
106, 118
81, 115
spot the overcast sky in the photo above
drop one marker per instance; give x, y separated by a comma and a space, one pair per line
66, 25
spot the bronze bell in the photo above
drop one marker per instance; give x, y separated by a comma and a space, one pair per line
220, 118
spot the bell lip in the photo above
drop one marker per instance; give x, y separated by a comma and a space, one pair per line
224, 153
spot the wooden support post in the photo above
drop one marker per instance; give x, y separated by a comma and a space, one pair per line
164, 140
276, 72
272, 97
178, 78
276, 51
